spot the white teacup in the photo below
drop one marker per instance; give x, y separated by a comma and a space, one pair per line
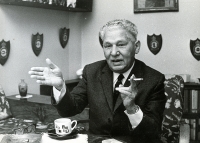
63, 126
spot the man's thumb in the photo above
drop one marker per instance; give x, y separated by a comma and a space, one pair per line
51, 64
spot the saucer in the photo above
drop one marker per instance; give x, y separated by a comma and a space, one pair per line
52, 134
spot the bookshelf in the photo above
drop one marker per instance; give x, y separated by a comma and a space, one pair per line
81, 6
192, 109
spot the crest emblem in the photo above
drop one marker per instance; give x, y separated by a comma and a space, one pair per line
195, 48
64, 36
37, 43
4, 51
154, 43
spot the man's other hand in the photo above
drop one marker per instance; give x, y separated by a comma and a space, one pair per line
50, 75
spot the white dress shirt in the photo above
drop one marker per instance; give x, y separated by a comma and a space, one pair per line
134, 119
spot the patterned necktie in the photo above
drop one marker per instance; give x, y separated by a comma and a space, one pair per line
116, 93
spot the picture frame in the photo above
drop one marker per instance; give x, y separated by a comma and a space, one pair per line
142, 6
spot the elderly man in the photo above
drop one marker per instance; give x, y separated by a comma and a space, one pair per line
125, 96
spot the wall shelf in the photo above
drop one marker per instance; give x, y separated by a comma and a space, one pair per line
82, 5
188, 109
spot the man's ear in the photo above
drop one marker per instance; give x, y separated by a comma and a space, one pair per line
137, 47
100, 41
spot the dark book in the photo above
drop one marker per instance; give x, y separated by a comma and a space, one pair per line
199, 130
199, 103
186, 101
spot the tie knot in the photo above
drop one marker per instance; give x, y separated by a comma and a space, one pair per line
120, 77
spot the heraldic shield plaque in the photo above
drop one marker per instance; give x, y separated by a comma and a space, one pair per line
64, 36
4, 51
37, 43
154, 43
195, 48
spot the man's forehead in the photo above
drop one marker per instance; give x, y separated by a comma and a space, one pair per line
117, 32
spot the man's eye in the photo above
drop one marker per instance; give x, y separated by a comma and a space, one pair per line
121, 45
107, 46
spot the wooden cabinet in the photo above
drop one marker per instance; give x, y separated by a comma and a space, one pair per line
46, 90
81, 5
188, 109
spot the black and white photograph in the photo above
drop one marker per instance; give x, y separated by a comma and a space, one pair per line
107, 71
156, 5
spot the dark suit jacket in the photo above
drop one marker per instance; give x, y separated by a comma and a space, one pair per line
96, 89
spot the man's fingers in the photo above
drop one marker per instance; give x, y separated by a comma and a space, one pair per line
35, 73
38, 77
123, 88
133, 83
44, 82
39, 69
51, 64
126, 92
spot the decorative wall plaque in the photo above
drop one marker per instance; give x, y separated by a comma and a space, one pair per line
64, 36
154, 43
195, 48
4, 51
37, 43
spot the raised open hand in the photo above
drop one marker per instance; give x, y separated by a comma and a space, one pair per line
50, 75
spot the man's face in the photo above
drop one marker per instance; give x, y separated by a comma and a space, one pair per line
119, 49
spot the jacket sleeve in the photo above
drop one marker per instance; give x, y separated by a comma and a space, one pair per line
150, 126
73, 103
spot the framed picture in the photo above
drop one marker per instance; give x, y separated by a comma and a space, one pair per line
141, 6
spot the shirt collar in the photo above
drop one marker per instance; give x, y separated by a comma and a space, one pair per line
126, 74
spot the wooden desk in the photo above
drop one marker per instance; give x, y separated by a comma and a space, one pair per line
37, 138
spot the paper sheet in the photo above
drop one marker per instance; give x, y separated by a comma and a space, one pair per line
1, 136
111, 141
81, 138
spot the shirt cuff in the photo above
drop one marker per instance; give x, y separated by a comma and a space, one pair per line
58, 95
136, 118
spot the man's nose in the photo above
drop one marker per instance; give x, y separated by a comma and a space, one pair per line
114, 51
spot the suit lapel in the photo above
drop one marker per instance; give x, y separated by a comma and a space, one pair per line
137, 71
107, 84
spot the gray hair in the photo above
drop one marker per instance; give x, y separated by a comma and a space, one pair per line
126, 24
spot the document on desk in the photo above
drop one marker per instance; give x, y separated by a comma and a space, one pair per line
1, 136
81, 138
111, 141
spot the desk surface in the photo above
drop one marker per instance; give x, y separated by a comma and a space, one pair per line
37, 138
35, 98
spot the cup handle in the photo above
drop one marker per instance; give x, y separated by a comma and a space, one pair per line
74, 121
